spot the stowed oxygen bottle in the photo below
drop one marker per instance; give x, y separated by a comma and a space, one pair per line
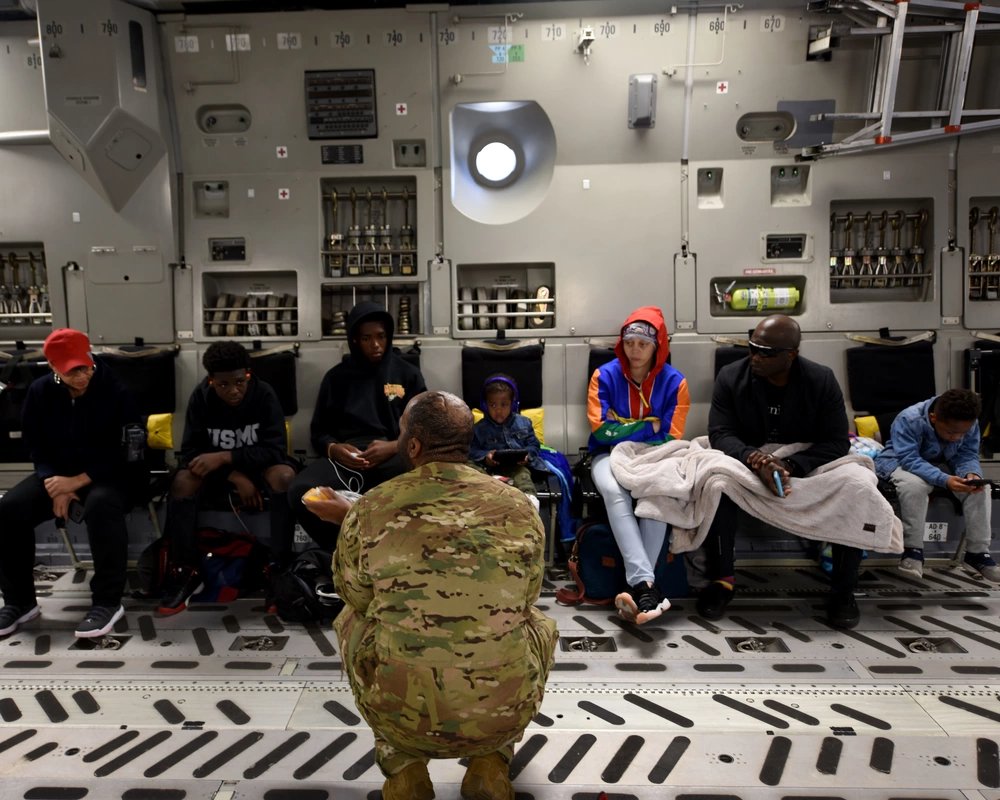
761, 298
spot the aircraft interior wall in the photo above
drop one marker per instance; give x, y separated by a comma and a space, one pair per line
183, 178
243, 201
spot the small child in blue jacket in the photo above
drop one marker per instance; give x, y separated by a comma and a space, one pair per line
936, 443
503, 428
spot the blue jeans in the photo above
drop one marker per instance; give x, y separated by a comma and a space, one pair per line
639, 539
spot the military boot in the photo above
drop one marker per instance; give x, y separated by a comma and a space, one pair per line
487, 778
411, 783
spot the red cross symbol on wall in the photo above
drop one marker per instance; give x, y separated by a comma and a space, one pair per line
283, 194
400, 109
282, 152
722, 87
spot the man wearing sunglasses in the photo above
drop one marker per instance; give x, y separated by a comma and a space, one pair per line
776, 397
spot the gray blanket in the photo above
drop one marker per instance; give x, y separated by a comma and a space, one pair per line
680, 483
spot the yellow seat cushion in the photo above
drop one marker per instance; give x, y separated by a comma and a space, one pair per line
867, 427
160, 432
536, 415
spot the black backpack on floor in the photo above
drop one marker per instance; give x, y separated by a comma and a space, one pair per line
303, 592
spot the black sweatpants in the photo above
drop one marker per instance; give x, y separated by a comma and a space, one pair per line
28, 505
181, 529
720, 546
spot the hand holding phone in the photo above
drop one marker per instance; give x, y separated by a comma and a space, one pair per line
777, 483
978, 482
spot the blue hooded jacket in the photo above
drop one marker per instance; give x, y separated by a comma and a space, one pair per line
915, 446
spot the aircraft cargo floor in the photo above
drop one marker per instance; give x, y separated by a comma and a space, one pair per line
227, 703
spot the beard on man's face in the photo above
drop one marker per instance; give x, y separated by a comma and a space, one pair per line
404, 454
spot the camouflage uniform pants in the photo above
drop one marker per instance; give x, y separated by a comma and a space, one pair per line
389, 695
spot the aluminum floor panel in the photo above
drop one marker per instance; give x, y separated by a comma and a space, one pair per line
226, 702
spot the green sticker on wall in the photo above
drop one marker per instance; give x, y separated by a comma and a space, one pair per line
515, 53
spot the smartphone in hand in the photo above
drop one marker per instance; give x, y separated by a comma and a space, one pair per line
75, 511
977, 482
777, 483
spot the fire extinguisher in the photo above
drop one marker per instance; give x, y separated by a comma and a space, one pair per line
762, 298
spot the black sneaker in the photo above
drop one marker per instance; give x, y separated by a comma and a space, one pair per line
641, 603
99, 621
176, 596
842, 610
11, 617
712, 601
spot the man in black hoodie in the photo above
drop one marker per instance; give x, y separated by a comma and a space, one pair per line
234, 441
355, 425
73, 423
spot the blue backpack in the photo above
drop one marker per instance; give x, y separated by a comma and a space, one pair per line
598, 568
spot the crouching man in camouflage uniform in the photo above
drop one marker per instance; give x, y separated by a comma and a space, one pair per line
440, 568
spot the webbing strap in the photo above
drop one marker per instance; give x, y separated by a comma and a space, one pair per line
926, 336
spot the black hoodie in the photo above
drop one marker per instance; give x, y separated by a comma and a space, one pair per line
360, 401
69, 436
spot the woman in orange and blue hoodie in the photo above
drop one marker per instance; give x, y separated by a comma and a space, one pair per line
638, 397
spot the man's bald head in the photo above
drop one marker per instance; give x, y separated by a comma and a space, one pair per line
436, 426
778, 330
774, 346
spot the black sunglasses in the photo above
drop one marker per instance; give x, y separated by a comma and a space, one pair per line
764, 351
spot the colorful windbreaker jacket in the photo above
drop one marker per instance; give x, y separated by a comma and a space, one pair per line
620, 411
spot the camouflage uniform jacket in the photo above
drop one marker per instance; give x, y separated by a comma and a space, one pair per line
440, 568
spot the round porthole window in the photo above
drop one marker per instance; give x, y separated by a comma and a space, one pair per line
503, 156
495, 161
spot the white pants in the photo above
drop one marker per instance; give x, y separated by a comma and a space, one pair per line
914, 497
640, 540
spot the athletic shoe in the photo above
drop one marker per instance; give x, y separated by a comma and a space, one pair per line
177, 595
641, 603
412, 782
912, 562
983, 566
11, 617
714, 598
99, 621
487, 778
842, 610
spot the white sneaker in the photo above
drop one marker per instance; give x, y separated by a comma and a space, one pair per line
911, 566
982, 565
990, 574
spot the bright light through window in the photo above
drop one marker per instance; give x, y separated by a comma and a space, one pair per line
496, 162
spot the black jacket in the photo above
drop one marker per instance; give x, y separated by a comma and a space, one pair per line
812, 410
359, 401
254, 430
67, 436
